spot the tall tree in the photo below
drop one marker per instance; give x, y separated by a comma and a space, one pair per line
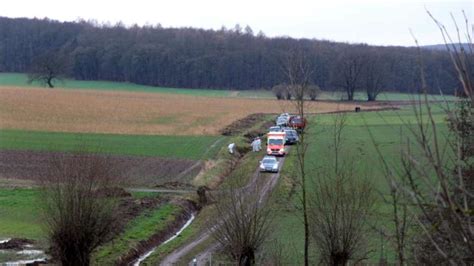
298, 70
348, 71
374, 75
78, 217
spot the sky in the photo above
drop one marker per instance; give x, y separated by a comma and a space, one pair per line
376, 22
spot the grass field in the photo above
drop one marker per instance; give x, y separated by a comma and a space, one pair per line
21, 80
134, 112
20, 214
357, 147
182, 147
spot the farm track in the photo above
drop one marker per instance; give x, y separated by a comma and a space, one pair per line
202, 257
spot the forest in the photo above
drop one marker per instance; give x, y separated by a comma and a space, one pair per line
235, 58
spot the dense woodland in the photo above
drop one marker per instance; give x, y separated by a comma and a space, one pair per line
234, 58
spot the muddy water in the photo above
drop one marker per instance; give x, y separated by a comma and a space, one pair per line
12, 257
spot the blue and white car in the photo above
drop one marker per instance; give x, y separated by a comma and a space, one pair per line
269, 164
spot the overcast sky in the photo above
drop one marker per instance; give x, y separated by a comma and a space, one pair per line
382, 22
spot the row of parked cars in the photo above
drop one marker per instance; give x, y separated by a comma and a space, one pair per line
284, 133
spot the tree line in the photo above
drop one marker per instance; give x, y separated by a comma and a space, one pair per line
234, 58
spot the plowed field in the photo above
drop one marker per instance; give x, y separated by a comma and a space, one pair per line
135, 170
133, 112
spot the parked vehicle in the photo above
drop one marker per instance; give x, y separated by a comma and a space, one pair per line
284, 117
276, 143
281, 121
297, 122
269, 164
291, 136
275, 129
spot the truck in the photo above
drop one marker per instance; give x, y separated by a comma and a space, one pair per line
276, 143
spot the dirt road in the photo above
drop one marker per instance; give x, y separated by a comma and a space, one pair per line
202, 258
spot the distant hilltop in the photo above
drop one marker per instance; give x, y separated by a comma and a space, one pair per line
442, 47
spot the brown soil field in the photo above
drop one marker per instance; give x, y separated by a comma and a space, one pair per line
134, 170
64, 110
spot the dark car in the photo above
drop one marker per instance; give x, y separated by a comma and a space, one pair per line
291, 136
297, 122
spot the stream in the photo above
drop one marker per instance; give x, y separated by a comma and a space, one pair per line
146, 255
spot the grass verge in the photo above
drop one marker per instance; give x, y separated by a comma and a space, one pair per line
140, 228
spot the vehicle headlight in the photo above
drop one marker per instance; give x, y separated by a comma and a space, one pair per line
275, 166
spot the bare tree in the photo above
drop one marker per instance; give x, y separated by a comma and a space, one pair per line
401, 218
298, 71
243, 223
437, 170
340, 208
313, 92
78, 215
339, 123
349, 69
374, 73
279, 91
46, 69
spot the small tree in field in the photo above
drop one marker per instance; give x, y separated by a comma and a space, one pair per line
279, 91
78, 217
340, 209
340, 206
313, 92
47, 69
243, 223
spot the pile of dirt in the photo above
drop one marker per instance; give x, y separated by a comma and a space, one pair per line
131, 208
16, 243
135, 170
241, 125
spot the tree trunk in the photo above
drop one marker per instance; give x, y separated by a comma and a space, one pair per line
306, 229
350, 94
371, 97
50, 82
247, 258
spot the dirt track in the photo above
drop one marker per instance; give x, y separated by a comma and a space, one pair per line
202, 257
